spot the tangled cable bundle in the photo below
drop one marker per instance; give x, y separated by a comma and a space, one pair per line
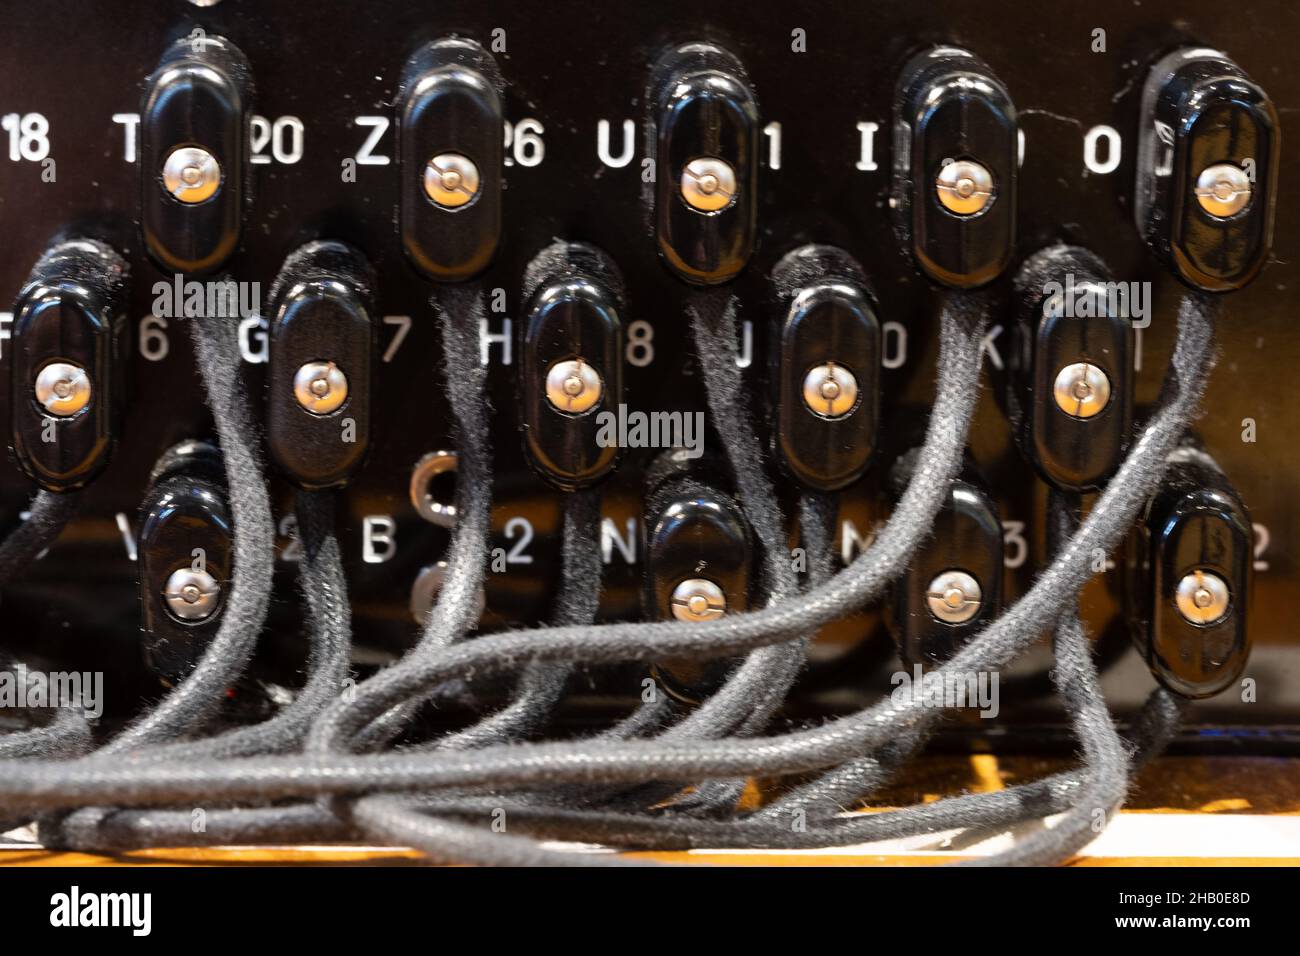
666, 776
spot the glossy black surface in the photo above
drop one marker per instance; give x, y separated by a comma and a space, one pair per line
570, 66
967, 537
1200, 109
1197, 523
702, 106
450, 103
825, 315
573, 312
199, 95
321, 310
952, 107
693, 530
71, 310
1068, 311
185, 522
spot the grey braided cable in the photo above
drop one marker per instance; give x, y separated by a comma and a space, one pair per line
46, 517
460, 310
311, 822
196, 699
541, 685
324, 591
69, 733
545, 764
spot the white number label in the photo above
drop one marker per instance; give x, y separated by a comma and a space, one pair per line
894, 354
29, 136
640, 343
284, 136
1262, 540
403, 323
524, 530
154, 344
524, 143
773, 133
1013, 540
1090, 150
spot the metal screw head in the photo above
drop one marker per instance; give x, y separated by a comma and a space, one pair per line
708, 184
573, 386
1223, 189
698, 599
451, 180
830, 390
1202, 597
320, 387
954, 597
964, 187
1081, 390
191, 174
191, 595
62, 389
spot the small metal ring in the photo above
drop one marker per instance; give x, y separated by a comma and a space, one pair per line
441, 513
428, 584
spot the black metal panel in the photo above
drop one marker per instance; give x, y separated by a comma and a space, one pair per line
566, 68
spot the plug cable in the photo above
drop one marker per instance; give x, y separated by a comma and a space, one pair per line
527, 766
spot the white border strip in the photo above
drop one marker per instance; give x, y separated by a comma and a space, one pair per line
1130, 834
